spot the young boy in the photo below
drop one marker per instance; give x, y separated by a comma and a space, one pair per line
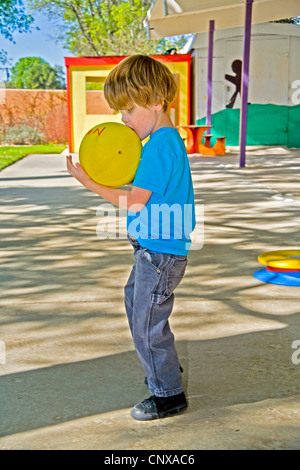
160, 219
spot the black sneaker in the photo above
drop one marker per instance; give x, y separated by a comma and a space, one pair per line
146, 380
159, 407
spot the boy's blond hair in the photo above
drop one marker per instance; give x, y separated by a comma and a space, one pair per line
140, 80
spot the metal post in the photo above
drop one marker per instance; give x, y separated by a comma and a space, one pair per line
245, 82
209, 71
147, 28
165, 7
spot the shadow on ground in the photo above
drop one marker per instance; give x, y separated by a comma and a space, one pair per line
69, 352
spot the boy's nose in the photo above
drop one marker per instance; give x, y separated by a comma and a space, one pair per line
124, 118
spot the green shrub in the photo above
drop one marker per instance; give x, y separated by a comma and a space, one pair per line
23, 134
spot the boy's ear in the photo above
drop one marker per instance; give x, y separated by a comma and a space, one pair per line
158, 106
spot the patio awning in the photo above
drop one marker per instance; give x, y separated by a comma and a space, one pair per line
174, 17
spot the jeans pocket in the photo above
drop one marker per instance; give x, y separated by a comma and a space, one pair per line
176, 273
169, 278
158, 261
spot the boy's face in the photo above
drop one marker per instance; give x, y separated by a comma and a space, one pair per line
144, 121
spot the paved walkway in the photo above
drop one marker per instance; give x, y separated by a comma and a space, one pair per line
71, 373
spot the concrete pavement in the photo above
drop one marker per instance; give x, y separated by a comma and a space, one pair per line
71, 374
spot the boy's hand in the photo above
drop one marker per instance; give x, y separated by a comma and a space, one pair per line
77, 171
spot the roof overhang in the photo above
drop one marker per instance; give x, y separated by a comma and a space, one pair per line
175, 17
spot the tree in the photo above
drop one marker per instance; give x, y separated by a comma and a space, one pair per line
34, 72
101, 27
13, 18
295, 20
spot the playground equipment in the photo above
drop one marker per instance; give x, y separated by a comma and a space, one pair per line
283, 267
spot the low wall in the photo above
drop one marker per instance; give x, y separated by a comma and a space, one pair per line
45, 110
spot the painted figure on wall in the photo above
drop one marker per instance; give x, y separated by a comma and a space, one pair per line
236, 80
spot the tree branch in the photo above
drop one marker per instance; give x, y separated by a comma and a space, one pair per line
84, 30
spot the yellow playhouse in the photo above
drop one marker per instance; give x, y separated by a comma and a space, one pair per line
87, 106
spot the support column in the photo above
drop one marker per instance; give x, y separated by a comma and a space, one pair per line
245, 82
209, 72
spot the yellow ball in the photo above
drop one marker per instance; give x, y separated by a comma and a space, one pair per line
110, 153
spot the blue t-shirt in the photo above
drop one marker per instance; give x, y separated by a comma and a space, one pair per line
165, 223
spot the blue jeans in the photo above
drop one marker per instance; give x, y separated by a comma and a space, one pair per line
149, 301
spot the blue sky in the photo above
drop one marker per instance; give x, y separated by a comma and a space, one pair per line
37, 43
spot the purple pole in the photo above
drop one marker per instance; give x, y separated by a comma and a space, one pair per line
245, 82
209, 71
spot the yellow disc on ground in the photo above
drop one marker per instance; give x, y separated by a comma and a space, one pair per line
281, 259
110, 153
